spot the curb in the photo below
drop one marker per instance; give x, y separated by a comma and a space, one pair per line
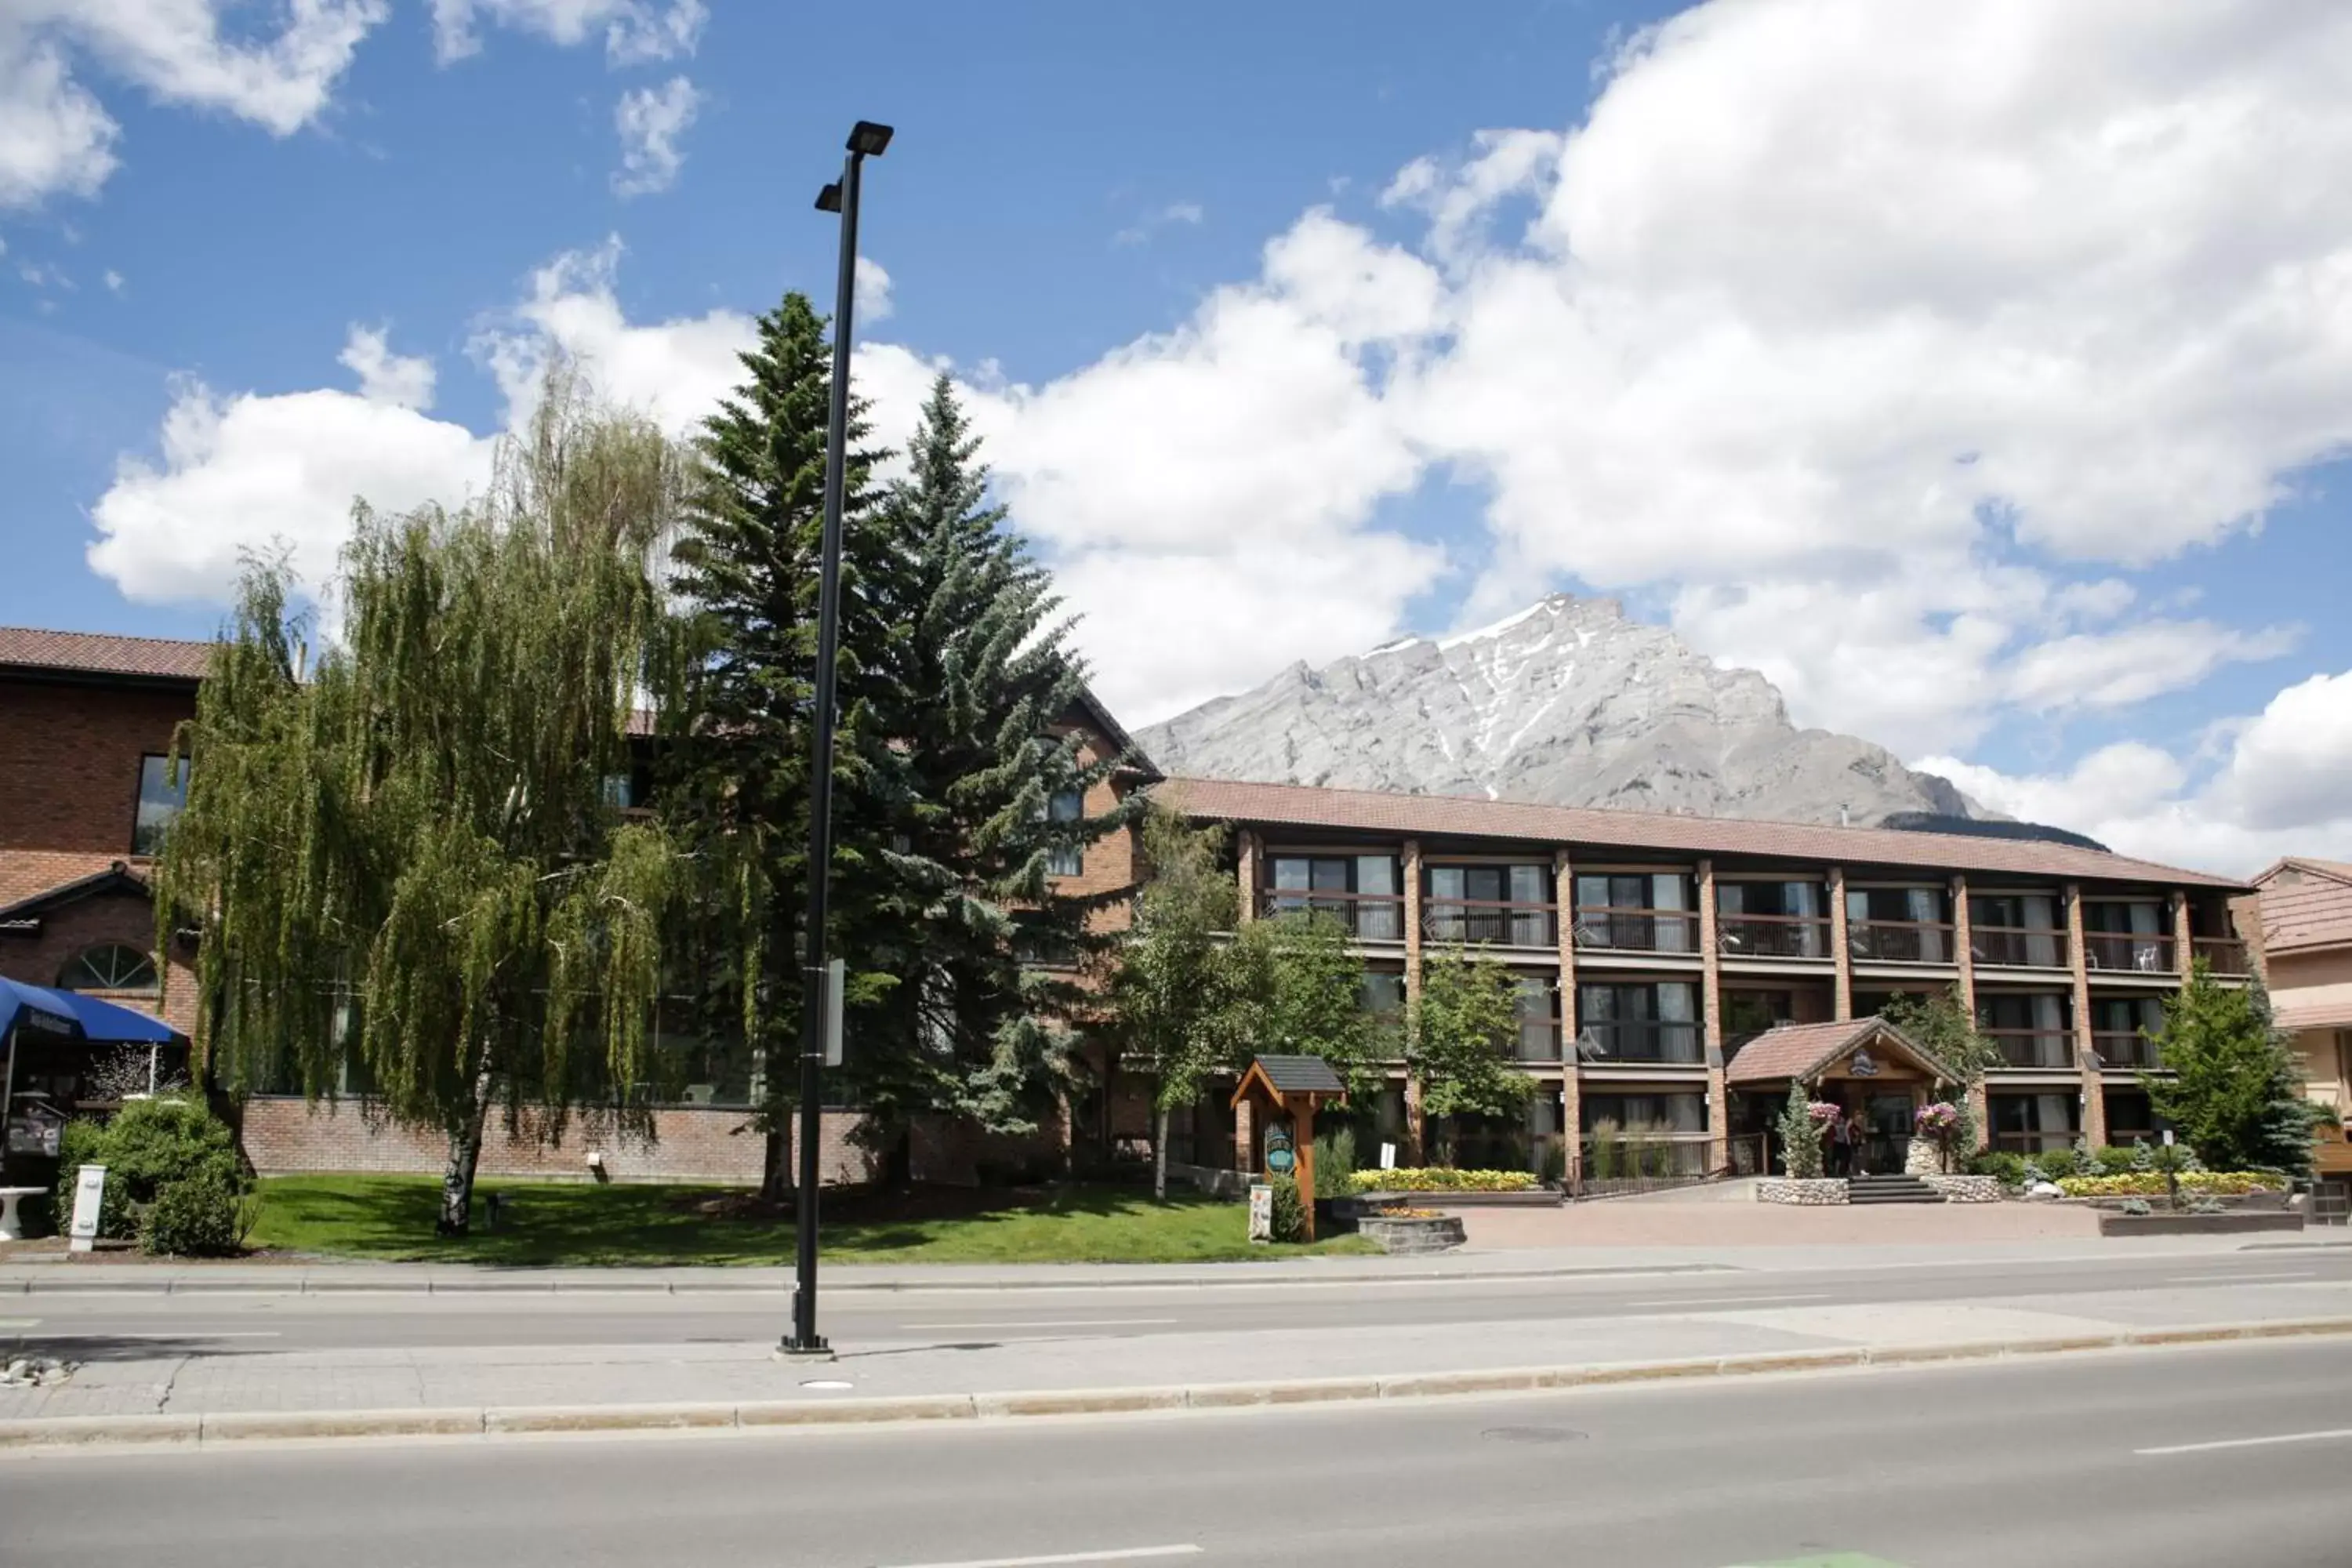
511, 1285
83, 1431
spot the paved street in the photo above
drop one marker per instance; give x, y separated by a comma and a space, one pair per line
227, 1322
2047, 1462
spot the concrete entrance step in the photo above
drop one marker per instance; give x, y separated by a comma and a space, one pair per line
1890, 1190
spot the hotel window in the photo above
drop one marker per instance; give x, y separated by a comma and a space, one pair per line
1663, 1112
2032, 1123
113, 966
1639, 1022
1539, 1021
2025, 929
1645, 912
1359, 890
1904, 925
1464, 899
1065, 859
162, 798
1771, 919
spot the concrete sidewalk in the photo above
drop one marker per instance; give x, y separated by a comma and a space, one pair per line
147, 1389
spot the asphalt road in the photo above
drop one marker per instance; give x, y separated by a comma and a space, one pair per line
47, 1322
2155, 1458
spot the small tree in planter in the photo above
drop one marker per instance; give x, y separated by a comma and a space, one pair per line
1802, 1122
1941, 1121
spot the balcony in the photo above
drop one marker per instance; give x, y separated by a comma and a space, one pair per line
2038, 1048
1606, 930
2124, 1048
1641, 1042
1367, 917
2222, 954
1899, 941
1501, 923
1772, 936
1538, 1041
2131, 952
2029, 1143
2018, 947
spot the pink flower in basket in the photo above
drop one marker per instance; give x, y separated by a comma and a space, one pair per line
1823, 1113
1942, 1117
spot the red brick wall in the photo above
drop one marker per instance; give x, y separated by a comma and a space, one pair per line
70, 765
90, 922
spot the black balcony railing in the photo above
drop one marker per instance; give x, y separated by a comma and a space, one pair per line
1605, 930
1772, 936
1368, 917
2222, 954
2124, 1048
2018, 947
1503, 924
2133, 951
1672, 1044
1899, 941
2033, 1047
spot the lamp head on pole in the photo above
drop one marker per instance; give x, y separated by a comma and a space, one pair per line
868, 140
828, 200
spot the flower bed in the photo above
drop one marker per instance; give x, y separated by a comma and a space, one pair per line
1438, 1179
2150, 1183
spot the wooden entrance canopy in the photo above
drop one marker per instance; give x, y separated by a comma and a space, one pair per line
1806, 1053
1297, 1087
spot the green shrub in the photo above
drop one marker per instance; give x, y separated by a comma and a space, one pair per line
152, 1143
1442, 1179
2115, 1161
1555, 1163
1335, 1162
1289, 1213
202, 1214
2059, 1165
83, 1142
2004, 1163
1604, 1163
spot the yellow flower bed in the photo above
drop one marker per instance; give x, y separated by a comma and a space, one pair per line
1437, 1179
2150, 1183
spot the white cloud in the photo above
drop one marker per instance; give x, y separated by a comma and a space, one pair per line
113, 281
649, 121
55, 137
873, 293
399, 381
636, 32
1188, 213
2281, 788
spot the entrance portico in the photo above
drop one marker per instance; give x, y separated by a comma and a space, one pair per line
1865, 1066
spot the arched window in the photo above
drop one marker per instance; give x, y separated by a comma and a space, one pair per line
112, 966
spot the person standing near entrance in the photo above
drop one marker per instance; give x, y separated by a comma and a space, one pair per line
1857, 1135
1841, 1147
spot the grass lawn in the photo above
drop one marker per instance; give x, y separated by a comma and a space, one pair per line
391, 1218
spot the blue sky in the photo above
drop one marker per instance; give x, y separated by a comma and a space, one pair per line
1815, 331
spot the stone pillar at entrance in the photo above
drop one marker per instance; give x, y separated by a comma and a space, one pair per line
1839, 951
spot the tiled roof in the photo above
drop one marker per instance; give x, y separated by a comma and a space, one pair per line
102, 653
2306, 903
2295, 1016
1372, 812
1300, 1074
1799, 1050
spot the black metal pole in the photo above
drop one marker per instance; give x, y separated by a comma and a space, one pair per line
805, 1340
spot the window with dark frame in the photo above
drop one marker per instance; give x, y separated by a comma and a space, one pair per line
1066, 859
162, 798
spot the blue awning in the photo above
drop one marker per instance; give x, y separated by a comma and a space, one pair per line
38, 1010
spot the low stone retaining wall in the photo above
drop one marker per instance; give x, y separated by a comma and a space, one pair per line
1400, 1235
1965, 1189
2198, 1223
1818, 1191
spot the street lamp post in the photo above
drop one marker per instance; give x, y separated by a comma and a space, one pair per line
867, 140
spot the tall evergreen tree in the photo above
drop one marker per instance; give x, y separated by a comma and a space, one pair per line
407, 855
2236, 1092
975, 678
735, 774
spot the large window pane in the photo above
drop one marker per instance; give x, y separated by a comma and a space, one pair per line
162, 797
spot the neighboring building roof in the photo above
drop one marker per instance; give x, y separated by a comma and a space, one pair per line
1803, 1050
2306, 903
1136, 762
1368, 811
2296, 1016
116, 878
102, 653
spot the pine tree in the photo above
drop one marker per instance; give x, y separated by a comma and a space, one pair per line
2235, 1093
735, 774
979, 673
405, 854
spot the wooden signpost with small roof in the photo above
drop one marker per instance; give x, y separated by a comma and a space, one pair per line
1297, 1087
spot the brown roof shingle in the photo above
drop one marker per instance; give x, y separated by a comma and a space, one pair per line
2306, 903
104, 653
1368, 811
1796, 1050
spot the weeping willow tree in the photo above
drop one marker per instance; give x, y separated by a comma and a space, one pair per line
409, 856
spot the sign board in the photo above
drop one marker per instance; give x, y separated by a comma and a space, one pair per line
2168, 1137
1861, 1064
1281, 1159
1388, 1156
90, 1191
1261, 1212
834, 973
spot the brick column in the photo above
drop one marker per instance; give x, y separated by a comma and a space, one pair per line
1981, 1113
1245, 1143
1248, 874
1841, 1008
1572, 1088
2095, 1088
1964, 946
1416, 1128
2184, 949
1710, 970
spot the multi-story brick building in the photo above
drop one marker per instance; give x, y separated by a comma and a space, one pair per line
1650, 949
2306, 908
87, 724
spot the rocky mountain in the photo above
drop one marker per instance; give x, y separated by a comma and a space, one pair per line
1568, 702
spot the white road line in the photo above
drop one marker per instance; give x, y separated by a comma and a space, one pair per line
176, 1335
2233, 1278
1121, 1554
1708, 1303
2248, 1442
1055, 1323
19, 1322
